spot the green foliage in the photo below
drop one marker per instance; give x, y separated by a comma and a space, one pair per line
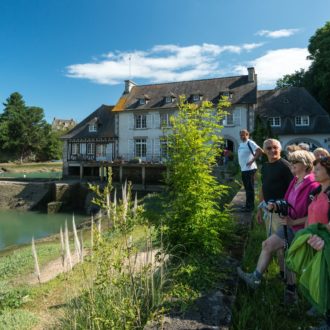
12, 298
17, 319
193, 219
317, 78
24, 131
262, 131
296, 79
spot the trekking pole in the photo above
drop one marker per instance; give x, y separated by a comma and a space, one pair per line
286, 245
270, 223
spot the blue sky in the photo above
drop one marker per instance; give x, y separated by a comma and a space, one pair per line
71, 56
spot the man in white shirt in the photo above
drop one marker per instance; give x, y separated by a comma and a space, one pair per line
248, 152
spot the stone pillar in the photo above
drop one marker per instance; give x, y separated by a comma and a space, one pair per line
81, 170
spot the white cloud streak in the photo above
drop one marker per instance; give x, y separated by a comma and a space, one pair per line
276, 63
282, 33
160, 64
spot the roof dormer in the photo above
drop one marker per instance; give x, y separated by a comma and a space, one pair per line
144, 99
227, 94
169, 98
93, 125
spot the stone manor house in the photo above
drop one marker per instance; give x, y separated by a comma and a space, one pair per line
134, 130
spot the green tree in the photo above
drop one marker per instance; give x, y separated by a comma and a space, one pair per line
262, 131
23, 129
296, 79
318, 75
194, 219
317, 78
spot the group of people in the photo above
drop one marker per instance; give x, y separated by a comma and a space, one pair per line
294, 195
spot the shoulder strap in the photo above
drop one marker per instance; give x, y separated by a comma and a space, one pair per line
248, 143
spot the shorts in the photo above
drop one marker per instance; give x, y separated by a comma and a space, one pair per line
280, 233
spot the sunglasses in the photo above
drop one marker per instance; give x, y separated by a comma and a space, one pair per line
272, 147
295, 162
325, 161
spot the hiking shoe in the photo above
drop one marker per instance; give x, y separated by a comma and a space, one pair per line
290, 298
249, 278
312, 312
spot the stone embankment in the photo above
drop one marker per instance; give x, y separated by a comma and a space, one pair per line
22, 195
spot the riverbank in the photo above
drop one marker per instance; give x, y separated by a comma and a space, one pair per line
31, 167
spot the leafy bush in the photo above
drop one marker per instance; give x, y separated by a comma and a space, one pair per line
194, 219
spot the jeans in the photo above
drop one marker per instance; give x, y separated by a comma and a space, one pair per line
248, 182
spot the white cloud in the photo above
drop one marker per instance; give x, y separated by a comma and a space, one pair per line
283, 33
161, 63
276, 63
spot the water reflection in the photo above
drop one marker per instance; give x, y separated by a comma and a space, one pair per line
19, 227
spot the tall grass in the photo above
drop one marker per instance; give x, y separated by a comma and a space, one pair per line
128, 284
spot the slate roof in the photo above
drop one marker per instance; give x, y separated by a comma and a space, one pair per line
105, 120
243, 92
288, 103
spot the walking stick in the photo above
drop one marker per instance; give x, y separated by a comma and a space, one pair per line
270, 224
286, 245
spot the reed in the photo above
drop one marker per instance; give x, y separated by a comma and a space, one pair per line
62, 247
68, 258
76, 239
36, 263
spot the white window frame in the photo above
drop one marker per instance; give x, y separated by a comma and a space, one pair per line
168, 99
229, 119
140, 147
301, 120
90, 148
101, 150
75, 149
163, 149
92, 128
274, 121
142, 101
196, 98
140, 121
165, 120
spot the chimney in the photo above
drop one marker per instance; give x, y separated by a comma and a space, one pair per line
251, 74
128, 86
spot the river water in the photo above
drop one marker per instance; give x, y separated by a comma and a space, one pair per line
17, 228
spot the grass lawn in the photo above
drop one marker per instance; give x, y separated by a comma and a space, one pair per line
31, 167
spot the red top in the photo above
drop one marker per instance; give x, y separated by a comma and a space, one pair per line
318, 209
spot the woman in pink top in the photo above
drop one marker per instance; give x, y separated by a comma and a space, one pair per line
297, 195
318, 210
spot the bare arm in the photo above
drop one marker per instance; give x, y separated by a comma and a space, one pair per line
257, 154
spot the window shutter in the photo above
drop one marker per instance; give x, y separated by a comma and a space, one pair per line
156, 148
149, 149
157, 120
237, 117
131, 121
131, 152
83, 148
149, 121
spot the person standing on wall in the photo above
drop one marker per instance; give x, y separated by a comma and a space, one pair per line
248, 153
